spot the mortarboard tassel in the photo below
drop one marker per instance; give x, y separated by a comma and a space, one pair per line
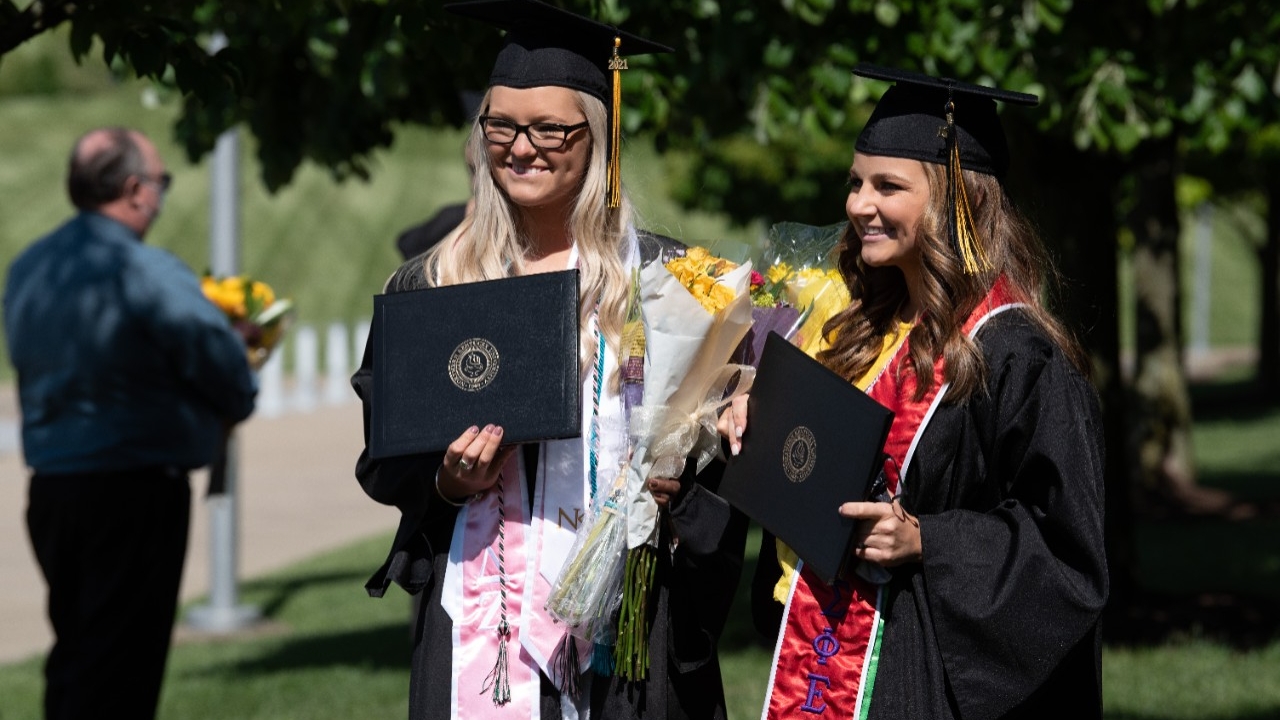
614, 177
963, 236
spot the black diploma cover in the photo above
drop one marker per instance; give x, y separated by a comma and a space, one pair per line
813, 441
498, 351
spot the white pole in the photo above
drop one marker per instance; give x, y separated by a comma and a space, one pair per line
224, 613
337, 365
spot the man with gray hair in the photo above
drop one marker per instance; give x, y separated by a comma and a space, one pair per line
127, 380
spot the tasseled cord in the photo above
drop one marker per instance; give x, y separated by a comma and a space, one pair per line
567, 664
614, 176
964, 238
499, 679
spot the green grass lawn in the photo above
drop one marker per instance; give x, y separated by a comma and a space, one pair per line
328, 652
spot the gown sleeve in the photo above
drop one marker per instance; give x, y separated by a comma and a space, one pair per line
706, 567
1014, 573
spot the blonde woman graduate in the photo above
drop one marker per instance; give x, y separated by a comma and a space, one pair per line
487, 526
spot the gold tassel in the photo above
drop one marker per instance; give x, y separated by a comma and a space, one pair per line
965, 237
614, 176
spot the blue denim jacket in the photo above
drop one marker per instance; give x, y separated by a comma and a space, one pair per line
122, 362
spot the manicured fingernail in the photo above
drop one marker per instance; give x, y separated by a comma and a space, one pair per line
497, 430
738, 431
473, 429
734, 448
488, 428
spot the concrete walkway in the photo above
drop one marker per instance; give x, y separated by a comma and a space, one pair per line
298, 498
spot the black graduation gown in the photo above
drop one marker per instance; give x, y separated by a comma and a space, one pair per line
694, 585
1000, 620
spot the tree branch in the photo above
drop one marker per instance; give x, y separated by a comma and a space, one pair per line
20, 26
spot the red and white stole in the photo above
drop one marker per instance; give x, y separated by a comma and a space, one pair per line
826, 658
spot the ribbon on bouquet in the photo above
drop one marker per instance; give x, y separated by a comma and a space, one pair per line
669, 436
589, 586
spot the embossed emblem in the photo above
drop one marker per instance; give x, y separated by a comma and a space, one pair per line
799, 453
474, 364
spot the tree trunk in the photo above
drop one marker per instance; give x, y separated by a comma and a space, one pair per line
1072, 196
1161, 421
1269, 335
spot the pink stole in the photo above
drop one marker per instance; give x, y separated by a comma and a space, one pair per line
826, 658
533, 545
477, 609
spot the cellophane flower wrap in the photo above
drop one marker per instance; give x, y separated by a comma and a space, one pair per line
800, 267
694, 312
254, 311
696, 309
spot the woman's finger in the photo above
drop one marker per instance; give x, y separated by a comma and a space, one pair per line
733, 423
456, 459
488, 442
663, 490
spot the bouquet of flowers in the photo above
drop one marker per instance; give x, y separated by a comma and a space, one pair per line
800, 290
771, 311
694, 312
254, 311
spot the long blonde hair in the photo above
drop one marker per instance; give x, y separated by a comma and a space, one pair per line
949, 294
491, 243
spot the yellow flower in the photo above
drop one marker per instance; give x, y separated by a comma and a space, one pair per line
700, 271
827, 292
777, 273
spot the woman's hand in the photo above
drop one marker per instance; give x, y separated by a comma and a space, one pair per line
472, 462
664, 490
887, 534
733, 423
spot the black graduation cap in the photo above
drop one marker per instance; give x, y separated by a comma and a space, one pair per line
546, 45
907, 120
946, 122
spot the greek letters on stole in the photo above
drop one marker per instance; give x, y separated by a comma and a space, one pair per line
826, 658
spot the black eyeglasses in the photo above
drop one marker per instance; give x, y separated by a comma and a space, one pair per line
163, 181
544, 135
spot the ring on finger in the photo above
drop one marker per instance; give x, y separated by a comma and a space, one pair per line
463, 464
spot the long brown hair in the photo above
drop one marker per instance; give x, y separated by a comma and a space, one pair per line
949, 296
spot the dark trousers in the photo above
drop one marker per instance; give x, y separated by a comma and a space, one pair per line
111, 547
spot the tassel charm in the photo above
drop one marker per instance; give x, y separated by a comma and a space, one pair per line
614, 175
499, 679
964, 238
602, 659
567, 665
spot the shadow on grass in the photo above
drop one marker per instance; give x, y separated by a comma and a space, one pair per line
1229, 400
381, 647
1203, 578
1242, 622
271, 594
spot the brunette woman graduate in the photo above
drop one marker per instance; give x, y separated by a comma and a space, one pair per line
982, 572
485, 526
